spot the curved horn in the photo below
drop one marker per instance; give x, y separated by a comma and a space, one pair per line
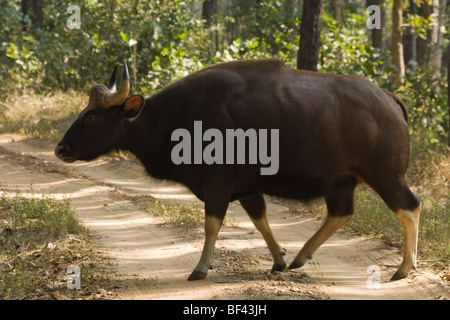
102, 97
112, 79
125, 72
117, 97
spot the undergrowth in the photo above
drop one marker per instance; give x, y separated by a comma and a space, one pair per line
39, 238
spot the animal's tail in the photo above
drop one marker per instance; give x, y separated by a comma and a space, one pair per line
399, 102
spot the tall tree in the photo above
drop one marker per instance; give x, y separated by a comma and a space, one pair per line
430, 49
437, 46
37, 16
423, 44
397, 45
209, 10
308, 53
38, 13
378, 34
337, 11
409, 36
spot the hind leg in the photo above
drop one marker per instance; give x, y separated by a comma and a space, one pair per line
410, 223
402, 201
340, 210
256, 209
330, 226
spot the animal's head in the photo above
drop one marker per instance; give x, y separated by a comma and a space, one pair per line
100, 125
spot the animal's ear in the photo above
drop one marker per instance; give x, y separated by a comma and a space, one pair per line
133, 106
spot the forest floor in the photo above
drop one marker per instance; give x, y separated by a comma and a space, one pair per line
151, 259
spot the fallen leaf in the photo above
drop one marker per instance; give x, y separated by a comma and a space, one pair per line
59, 296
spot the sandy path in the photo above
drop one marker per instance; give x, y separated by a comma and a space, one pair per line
153, 260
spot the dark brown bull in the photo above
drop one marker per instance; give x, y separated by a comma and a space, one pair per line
335, 131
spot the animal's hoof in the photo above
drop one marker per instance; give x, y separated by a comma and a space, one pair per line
295, 265
398, 276
277, 275
278, 267
197, 275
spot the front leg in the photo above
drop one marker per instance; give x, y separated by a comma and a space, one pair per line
212, 228
216, 193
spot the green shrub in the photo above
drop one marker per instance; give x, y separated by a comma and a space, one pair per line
43, 216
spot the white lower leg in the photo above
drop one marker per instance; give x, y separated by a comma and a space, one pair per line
410, 223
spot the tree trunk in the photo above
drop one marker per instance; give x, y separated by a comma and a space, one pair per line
378, 34
427, 46
423, 44
38, 13
445, 58
308, 53
337, 11
37, 16
430, 51
409, 37
24, 8
209, 10
397, 45
437, 48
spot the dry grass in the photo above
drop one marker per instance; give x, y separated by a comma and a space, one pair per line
39, 238
429, 176
40, 116
186, 216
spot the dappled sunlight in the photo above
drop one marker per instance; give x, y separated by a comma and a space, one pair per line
44, 154
83, 192
115, 221
174, 197
90, 164
55, 184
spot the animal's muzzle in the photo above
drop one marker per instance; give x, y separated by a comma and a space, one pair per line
62, 150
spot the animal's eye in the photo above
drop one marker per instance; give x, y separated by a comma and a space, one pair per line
90, 119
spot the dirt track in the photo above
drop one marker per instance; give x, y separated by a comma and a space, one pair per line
153, 260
